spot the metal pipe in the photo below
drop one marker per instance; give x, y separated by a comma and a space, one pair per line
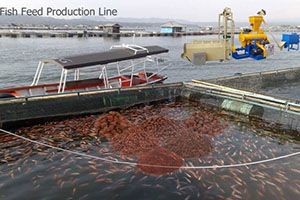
251, 102
39, 74
232, 31
225, 37
60, 81
282, 104
159, 71
65, 80
225, 25
237, 91
132, 64
75, 75
280, 45
132, 70
145, 73
219, 26
106, 77
118, 67
36, 73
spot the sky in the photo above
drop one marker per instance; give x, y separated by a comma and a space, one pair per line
192, 10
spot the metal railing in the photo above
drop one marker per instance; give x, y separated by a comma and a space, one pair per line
275, 102
135, 66
133, 47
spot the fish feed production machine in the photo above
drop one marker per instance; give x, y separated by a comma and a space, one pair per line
255, 43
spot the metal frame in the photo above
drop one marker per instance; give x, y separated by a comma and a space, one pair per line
275, 102
38, 73
213, 49
227, 16
133, 67
133, 47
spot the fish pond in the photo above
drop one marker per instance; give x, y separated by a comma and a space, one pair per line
167, 150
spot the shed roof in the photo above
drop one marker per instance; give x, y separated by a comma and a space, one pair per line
103, 58
112, 25
172, 25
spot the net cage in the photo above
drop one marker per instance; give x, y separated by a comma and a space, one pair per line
216, 133
162, 135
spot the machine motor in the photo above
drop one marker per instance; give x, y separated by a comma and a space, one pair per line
256, 51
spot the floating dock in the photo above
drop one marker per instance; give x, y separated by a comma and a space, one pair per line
80, 34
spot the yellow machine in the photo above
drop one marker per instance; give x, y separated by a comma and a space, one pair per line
254, 43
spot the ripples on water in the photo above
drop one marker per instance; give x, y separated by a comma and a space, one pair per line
19, 57
29, 171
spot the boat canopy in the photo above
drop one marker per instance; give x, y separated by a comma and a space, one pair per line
115, 54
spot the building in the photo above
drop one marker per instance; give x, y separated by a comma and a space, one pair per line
209, 28
171, 27
111, 28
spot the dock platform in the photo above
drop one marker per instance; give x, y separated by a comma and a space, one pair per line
93, 33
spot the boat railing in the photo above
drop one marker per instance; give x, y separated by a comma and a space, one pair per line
123, 68
38, 73
133, 47
128, 67
131, 69
136, 68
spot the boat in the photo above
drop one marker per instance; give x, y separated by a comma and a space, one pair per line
129, 62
